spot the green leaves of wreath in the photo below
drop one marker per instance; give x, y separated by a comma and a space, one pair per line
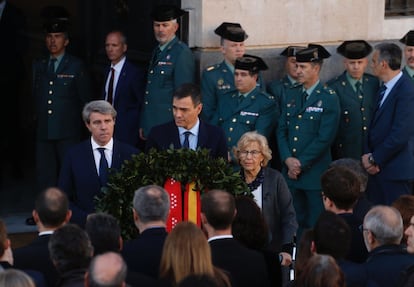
155, 167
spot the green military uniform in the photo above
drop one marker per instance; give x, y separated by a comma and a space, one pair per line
356, 110
408, 72
238, 114
59, 97
216, 81
306, 131
168, 70
278, 89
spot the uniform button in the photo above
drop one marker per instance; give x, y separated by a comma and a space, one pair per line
295, 139
362, 109
364, 128
248, 122
340, 145
49, 102
293, 150
152, 72
162, 72
288, 114
50, 92
234, 120
231, 129
297, 127
149, 82
146, 102
299, 116
169, 109
51, 83
311, 118
49, 112
146, 92
360, 96
229, 139
364, 118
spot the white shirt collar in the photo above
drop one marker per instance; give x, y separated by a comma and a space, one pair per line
118, 66
194, 130
109, 145
220, 237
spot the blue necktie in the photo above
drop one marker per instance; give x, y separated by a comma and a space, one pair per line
186, 143
381, 94
103, 167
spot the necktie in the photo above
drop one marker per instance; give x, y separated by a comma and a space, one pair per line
358, 88
186, 143
381, 94
103, 167
51, 67
157, 53
111, 87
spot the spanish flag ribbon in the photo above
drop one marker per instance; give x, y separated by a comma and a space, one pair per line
173, 188
192, 204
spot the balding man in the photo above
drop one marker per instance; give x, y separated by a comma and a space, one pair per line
107, 269
383, 230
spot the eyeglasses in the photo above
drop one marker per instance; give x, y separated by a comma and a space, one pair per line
245, 153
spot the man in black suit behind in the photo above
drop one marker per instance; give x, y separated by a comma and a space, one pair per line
186, 109
51, 211
151, 205
246, 267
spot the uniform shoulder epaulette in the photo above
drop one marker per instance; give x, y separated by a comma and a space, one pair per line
329, 90
333, 80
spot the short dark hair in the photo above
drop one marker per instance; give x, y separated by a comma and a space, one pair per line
104, 232
52, 206
188, 90
219, 208
391, 54
70, 248
342, 186
332, 235
151, 203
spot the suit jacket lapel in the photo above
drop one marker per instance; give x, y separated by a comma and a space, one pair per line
389, 98
120, 84
202, 135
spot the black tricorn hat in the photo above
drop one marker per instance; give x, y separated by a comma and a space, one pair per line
408, 38
250, 63
231, 31
55, 19
313, 53
355, 49
291, 51
166, 12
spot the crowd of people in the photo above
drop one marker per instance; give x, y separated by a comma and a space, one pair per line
323, 163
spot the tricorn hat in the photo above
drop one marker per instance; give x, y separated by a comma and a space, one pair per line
231, 31
291, 51
55, 19
408, 38
313, 53
250, 63
356, 49
166, 12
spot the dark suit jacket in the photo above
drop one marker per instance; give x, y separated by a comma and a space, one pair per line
391, 134
79, 177
128, 98
209, 136
385, 263
357, 251
278, 210
24, 258
246, 267
143, 254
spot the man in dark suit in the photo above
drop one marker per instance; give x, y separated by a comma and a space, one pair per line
124, 88
245, 266
186, 110
60, 88
389, 151
85, 168
383, 230
151, 205
51, 211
